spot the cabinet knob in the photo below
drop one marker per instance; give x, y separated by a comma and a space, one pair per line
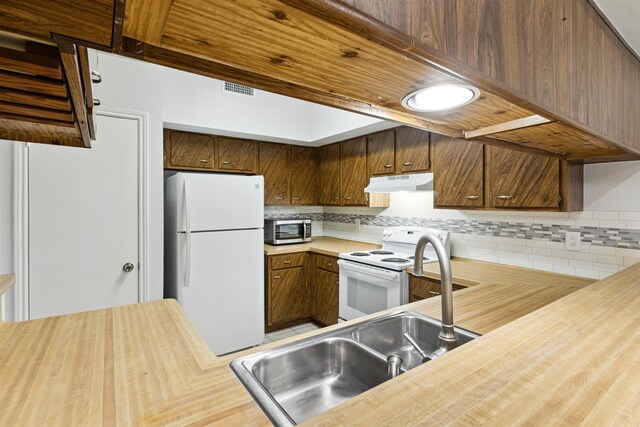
434, 293
277, 277
329, 264
347, 198
279, 198
287, 261
338, 283
388, 166
473, 197
296, 198
204, 161
226, 163
505, 197
335, 197
407, 164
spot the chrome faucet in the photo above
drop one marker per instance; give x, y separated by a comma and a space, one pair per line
447, 338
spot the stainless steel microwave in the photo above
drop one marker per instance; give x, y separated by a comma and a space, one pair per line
285, 231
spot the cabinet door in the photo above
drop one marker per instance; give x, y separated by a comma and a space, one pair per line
521, 180
330, 175
353, 171
412, 150
423, 287
457, 172
325, 301
238, 155
304, 176
381, 153
289, 295
274, 165
190, 150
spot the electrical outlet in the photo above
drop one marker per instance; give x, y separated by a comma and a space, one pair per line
572, 241
358, 224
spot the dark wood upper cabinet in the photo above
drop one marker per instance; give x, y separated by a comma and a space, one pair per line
457, 172
516, 179
190, 150
412, 150
275, 160
353, 171
381, 153
330, 174
304, 175
238, 155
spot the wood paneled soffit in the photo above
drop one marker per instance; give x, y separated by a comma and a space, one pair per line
328, 52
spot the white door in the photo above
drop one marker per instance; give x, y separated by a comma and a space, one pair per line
83, 222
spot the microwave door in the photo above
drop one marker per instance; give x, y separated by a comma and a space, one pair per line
289, 232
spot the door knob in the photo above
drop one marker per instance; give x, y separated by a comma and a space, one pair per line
127, 268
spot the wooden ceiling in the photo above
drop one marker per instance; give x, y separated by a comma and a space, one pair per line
277, 40
42, 98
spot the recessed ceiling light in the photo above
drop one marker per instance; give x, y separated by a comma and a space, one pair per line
440, 98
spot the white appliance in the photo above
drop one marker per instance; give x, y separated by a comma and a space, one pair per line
395, 183
214, 256
376, 280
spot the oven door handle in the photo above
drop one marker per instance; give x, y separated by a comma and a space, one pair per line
371, 271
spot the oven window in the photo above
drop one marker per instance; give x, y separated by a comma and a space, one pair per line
288, 231
366, 297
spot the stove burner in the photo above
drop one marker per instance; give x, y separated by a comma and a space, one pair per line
398, 260
381, 253
423, 258
359, 254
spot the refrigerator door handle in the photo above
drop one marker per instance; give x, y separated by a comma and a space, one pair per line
187, 229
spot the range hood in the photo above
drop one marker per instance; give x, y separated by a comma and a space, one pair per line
395, 183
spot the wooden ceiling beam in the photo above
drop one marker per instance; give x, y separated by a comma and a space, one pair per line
507, 126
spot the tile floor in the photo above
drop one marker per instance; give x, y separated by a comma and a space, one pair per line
289, 332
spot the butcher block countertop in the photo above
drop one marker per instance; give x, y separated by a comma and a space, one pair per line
322, 245
469, 272
551, 355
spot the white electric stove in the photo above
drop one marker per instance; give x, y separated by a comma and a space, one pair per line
372, 281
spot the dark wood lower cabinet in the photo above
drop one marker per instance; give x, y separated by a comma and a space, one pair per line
289, 295
287, 291
423, 287
325, 297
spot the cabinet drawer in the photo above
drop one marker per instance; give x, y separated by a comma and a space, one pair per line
287, 261
327, 263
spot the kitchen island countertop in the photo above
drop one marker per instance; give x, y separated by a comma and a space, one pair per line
551, 355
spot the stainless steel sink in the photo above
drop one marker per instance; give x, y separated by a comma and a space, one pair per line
386, 336
297, 381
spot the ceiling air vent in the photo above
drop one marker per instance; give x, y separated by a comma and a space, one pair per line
239, 89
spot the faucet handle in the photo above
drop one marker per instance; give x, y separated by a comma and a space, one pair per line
425, 356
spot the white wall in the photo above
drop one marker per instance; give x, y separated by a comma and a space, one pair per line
137, 86
6, 219
612, 187
197, 103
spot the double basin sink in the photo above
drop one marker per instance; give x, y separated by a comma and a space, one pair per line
297, 381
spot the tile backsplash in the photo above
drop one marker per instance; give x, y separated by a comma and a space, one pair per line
610, 240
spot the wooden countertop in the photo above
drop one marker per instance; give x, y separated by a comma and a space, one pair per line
468, 272
575, 361
145, 364
322, 245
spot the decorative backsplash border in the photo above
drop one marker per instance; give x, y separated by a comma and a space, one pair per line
314, 216
599, 236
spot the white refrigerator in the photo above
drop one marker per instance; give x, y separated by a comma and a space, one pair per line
214, 255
